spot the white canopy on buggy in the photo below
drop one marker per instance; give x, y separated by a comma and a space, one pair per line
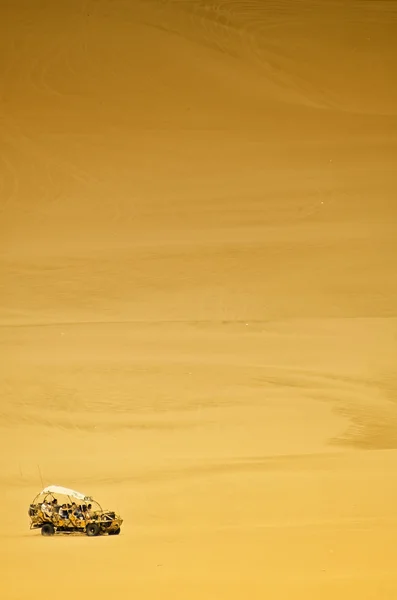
57, 489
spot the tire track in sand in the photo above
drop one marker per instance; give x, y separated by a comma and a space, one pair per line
281, 40
241, 30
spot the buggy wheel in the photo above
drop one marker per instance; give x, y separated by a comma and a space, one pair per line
115, 531
92, 529
47, 529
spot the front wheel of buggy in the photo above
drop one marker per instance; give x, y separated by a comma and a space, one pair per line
47, 529
92, 529
115, 531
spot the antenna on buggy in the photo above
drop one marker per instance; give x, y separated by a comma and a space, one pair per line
41, 477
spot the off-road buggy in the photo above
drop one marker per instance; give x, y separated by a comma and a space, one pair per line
61, 510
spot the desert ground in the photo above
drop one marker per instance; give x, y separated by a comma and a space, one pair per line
198, 296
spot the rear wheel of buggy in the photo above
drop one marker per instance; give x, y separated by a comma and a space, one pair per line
47, 529
92, 529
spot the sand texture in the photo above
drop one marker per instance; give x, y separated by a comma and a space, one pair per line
198, 296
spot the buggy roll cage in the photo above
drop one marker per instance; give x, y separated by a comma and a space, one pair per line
53, 491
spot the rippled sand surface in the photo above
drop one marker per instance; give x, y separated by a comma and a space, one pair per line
198, 295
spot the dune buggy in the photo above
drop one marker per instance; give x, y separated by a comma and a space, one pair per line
61, 510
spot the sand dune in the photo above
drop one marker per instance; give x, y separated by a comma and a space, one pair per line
198, 301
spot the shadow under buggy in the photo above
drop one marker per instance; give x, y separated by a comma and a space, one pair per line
61, 510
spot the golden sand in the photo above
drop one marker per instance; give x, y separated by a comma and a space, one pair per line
198, 296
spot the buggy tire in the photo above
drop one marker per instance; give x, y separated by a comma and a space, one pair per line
115, 531
47, 529
92, 529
